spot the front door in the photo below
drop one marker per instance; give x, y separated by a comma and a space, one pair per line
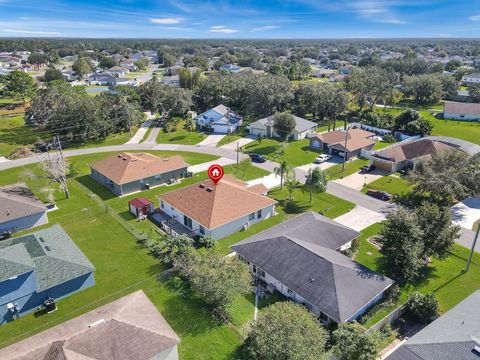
269, 131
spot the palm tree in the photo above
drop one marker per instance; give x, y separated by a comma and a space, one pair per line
316, 181
291, 183
283, 170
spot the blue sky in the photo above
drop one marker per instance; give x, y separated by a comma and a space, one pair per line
240, 19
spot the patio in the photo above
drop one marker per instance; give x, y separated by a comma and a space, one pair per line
170, 225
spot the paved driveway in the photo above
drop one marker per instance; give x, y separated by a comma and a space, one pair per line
270, 181
466, 213
360, 218
357, 180
242, 142
211, 140
325, 165
142, 130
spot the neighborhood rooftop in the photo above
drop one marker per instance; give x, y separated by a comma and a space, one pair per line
126, 329
329, 280
127, 167
215, 205
413, 150
452, 336
18, 201
301, 124
356, 139
451, 107
50, 252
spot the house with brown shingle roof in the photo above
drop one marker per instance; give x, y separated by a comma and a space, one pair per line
127, 173
217, 210
338, 142
20, 209
461, 111
125, 329
407, 154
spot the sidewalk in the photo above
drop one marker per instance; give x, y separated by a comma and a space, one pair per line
241, 142
204, 166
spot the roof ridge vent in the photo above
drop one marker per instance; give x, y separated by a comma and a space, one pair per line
209, 189
96, 323
201, 186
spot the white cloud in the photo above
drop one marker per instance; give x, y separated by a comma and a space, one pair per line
376, 11
475, 18
31, 32
265, 28
221, 29
166, 21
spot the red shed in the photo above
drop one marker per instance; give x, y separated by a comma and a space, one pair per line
141, 206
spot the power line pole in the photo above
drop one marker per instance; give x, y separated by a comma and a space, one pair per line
472, 249
238, 151
62, 165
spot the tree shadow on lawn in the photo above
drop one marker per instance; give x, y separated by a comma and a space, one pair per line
177, 138
293, 206
265, 150
101, 191
20, 135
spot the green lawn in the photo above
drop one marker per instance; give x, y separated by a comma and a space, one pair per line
380, 145
121, 268
135, 74
466, 130
335, 172
297, 153
392, 184
14, 134
180, 136
444, 278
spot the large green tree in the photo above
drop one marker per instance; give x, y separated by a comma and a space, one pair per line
19, 85
82, 66
353, 342
283, 124
215, 279
167, 101
286, 331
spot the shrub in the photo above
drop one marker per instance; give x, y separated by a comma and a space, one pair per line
422, 307
388, 138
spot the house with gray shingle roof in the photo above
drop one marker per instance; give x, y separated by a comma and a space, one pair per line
20, 209
130, 328
453, 336
264, 127
301, 259
41, 265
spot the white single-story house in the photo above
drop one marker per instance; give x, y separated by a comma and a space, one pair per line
206, 209
230, 68
264, 127
471, 78
461, 111
173, 81
220, 120
20, 209
301, 259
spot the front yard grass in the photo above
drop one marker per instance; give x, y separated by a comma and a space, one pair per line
180, 136
465, 130
392, 184
335, 172
444, 278
14, 134
296, 153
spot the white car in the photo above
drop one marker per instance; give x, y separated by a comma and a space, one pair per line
322, 158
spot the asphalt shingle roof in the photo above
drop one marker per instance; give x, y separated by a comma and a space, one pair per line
54, 257
17, 201
126, 329
451, 337
301, 260
301, 124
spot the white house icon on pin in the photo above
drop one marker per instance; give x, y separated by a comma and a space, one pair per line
215, 172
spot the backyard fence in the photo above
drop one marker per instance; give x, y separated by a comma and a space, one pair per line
390, 318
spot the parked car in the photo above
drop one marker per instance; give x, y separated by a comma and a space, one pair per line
382, 195
321, 159
257, 158
368, 168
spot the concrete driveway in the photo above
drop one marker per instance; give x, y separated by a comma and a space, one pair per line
466, 213
138, 136
357, 180
360, 218
241, 142
211, 140
335, 160
270, 181
204, 166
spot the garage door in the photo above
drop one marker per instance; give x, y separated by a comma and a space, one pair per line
257, 132
383, 165
316, 144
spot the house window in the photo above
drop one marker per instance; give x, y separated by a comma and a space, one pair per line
162, 205
323, 317
261, 272
259, 214
289, 292
254, 268
202, 230
187, 221
251, 216
158, 177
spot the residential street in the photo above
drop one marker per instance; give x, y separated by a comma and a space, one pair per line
334, 188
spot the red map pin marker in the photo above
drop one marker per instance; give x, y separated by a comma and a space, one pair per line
215, 173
